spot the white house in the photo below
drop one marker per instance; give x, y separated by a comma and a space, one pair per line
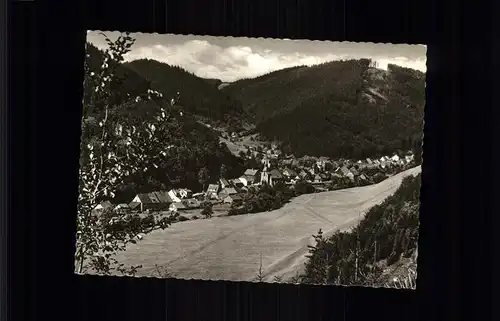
103, 206
243, 180
395, 158
174, 195
184, 192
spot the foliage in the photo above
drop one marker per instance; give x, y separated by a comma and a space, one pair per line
196, 146
111, 151
207, 210
265, 198
303, 187
387, 233
223, 171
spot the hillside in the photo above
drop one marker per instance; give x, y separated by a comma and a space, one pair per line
199, 97
196, 146
337, 109
382, 246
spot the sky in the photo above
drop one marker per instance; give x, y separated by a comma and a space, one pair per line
230, 59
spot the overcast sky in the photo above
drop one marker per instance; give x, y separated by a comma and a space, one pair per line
230, 59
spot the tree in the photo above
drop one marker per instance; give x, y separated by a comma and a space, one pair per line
223, 171
203, 176
111, 151
207, 210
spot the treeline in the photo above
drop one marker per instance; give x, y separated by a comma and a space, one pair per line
388, 233
269, 198
265, 198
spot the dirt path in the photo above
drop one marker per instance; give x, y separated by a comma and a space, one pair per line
230, 248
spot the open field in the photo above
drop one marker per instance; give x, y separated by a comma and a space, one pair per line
230, 248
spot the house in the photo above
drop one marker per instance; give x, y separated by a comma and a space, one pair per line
224, 183
345, 171
174, 195
227, 191
161, 197
369, 161
287, 162
212, 191
134, 206
363, 177
303, 174
395, 158
324, 176
289, 173
199, 196
141, 202
354, 171
175, 207
122, 208
276, 176
230, 199
185, 192
251, 175
272, 177
244, 180
103, 206
150, 201
238, 183
336, 176
317, 178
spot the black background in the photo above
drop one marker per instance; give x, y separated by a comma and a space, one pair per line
455, 259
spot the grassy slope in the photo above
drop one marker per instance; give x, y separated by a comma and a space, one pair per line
231, 247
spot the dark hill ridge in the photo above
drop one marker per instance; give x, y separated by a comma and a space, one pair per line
198, 96
338, 109
281, 91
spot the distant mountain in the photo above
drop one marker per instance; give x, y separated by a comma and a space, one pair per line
338, 109
199, 96
214, 82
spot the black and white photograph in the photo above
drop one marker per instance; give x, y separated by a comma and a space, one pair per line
250, 159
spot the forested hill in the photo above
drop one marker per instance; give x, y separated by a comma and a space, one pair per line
340, 108
198, 96
197, 147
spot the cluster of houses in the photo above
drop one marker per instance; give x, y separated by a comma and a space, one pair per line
173, 200
275, 168
324, 170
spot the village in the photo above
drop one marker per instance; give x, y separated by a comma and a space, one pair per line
322, 173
